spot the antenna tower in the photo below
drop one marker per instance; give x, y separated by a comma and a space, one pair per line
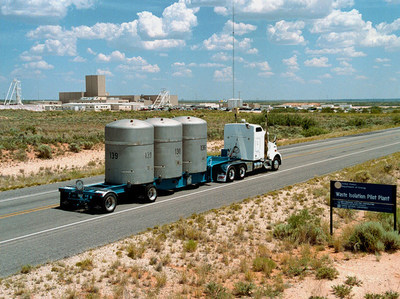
15, 88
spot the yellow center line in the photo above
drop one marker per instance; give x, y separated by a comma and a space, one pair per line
332, 147
29, 211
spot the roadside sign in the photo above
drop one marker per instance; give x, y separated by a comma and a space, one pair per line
363, 196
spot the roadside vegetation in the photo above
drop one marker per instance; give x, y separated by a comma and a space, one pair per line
261, 247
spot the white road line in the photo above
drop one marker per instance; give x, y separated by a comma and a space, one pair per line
34, 194
181, 196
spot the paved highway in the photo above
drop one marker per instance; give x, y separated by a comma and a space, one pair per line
33, 230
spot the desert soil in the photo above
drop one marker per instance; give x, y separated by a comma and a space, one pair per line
112, 274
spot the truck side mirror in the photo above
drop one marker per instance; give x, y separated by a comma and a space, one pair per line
274, 139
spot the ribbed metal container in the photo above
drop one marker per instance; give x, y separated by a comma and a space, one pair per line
129, 149
194, 143
167, 147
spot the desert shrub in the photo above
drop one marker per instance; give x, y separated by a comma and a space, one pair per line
134, 251
21, 155
386, 295
44, 152
87, 145
302, 228
215, 290
326, 272
75, 147
190, 246
263, 264
313, 131
362, 176
372, 237
86, 264
25, 269
243, 288
342, 291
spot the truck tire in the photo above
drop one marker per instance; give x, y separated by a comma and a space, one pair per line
230, 174
241, 172
150, 193
275, 164
65, 204
109, 203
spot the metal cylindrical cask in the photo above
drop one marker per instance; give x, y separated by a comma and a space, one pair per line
129, 150
167, 147
194, 143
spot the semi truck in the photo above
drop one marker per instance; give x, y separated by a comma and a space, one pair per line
144, 157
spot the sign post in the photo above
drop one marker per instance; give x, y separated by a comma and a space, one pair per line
364, 197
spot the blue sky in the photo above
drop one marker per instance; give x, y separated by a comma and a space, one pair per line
284, 49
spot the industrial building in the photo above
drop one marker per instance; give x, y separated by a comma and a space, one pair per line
96, 93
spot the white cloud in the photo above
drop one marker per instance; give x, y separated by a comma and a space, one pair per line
291, 63
287, 33
114, 56
343, 29
342, 4
180, 69
223, 75
348, 51
345, 68
381, 60
79, 59
224, 41
265, 74
262, 66
133, 63
38, 65
270, 10
389, 28
26, 56
104, 72
315, 81
240, 28
177, 21
326, 76
361, 77
42, 8
90, 51
317, 62
148, 32
292, 76
221, 56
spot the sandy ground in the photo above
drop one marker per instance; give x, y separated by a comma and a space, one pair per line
115, 275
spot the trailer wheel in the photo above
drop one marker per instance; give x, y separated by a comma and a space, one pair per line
241, 172
150, 193
230, 174
275, 164
109, 203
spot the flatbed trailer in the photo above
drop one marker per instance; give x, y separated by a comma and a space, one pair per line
219, 169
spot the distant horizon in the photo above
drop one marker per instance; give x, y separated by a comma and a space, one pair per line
292, 50
388, 100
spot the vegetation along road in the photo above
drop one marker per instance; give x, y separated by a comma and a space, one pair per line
33, 230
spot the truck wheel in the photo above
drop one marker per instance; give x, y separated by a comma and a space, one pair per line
150, 193
275, 164
109, 203
241, 173
65, 204
230, 174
